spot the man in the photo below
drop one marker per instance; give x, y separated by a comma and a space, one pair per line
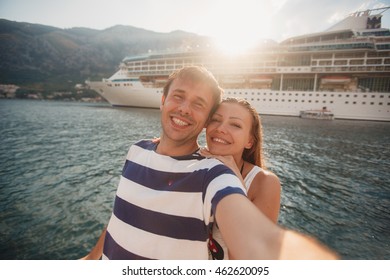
169, 196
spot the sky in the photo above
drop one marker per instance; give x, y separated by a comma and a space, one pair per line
230, 22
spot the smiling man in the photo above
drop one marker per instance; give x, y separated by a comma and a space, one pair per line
169, 195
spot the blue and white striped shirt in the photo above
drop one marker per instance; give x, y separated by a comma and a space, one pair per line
164, 205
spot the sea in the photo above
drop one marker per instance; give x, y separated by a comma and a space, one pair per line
61, 162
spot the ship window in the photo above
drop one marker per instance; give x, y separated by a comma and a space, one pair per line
270, 100
331, 102
381, 96
296, 100
289, 100
356, 62
316, 101
340, 62
324, 101
347, 95
374, 61
372, 103
364, 96
339, 95
372, 96
354, 102
309, 101
346, 102
355, 95
364, 103
380, 103
325, 62
303, 101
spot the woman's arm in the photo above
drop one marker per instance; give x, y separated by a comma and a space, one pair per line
265, 192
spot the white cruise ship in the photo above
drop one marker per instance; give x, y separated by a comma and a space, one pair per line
344, 70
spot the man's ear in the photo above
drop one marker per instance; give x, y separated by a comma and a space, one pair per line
207, 122
162, 101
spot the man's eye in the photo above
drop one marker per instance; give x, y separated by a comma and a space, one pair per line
199, 105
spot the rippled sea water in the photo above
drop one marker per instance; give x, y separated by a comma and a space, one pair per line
61, 161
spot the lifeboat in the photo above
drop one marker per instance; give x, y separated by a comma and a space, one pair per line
335, 80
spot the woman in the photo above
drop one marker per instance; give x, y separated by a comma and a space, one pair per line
234, 136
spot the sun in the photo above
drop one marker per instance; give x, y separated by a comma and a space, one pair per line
241, 25
234, 44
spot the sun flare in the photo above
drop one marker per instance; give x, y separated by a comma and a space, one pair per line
234, 44
238, 29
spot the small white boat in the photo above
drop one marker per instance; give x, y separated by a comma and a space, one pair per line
323, 114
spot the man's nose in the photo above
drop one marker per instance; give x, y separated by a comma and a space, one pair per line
185, 107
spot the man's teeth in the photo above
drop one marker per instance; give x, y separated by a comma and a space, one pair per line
179, 122
219, 140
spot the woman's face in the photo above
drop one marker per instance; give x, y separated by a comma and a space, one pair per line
229, 130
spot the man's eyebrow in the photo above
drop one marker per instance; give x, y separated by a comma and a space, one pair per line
179, 90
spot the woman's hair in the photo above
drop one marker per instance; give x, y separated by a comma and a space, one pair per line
197, 74
254, 154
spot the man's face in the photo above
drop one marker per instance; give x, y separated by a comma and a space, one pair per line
185, 111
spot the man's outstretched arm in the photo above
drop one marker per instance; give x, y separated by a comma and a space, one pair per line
249, 234
97, 251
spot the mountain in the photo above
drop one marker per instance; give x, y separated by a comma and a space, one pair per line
50, 58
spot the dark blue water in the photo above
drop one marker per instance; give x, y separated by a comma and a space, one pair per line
60, 164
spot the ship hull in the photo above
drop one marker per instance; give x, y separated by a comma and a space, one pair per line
343, 105
132, 96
